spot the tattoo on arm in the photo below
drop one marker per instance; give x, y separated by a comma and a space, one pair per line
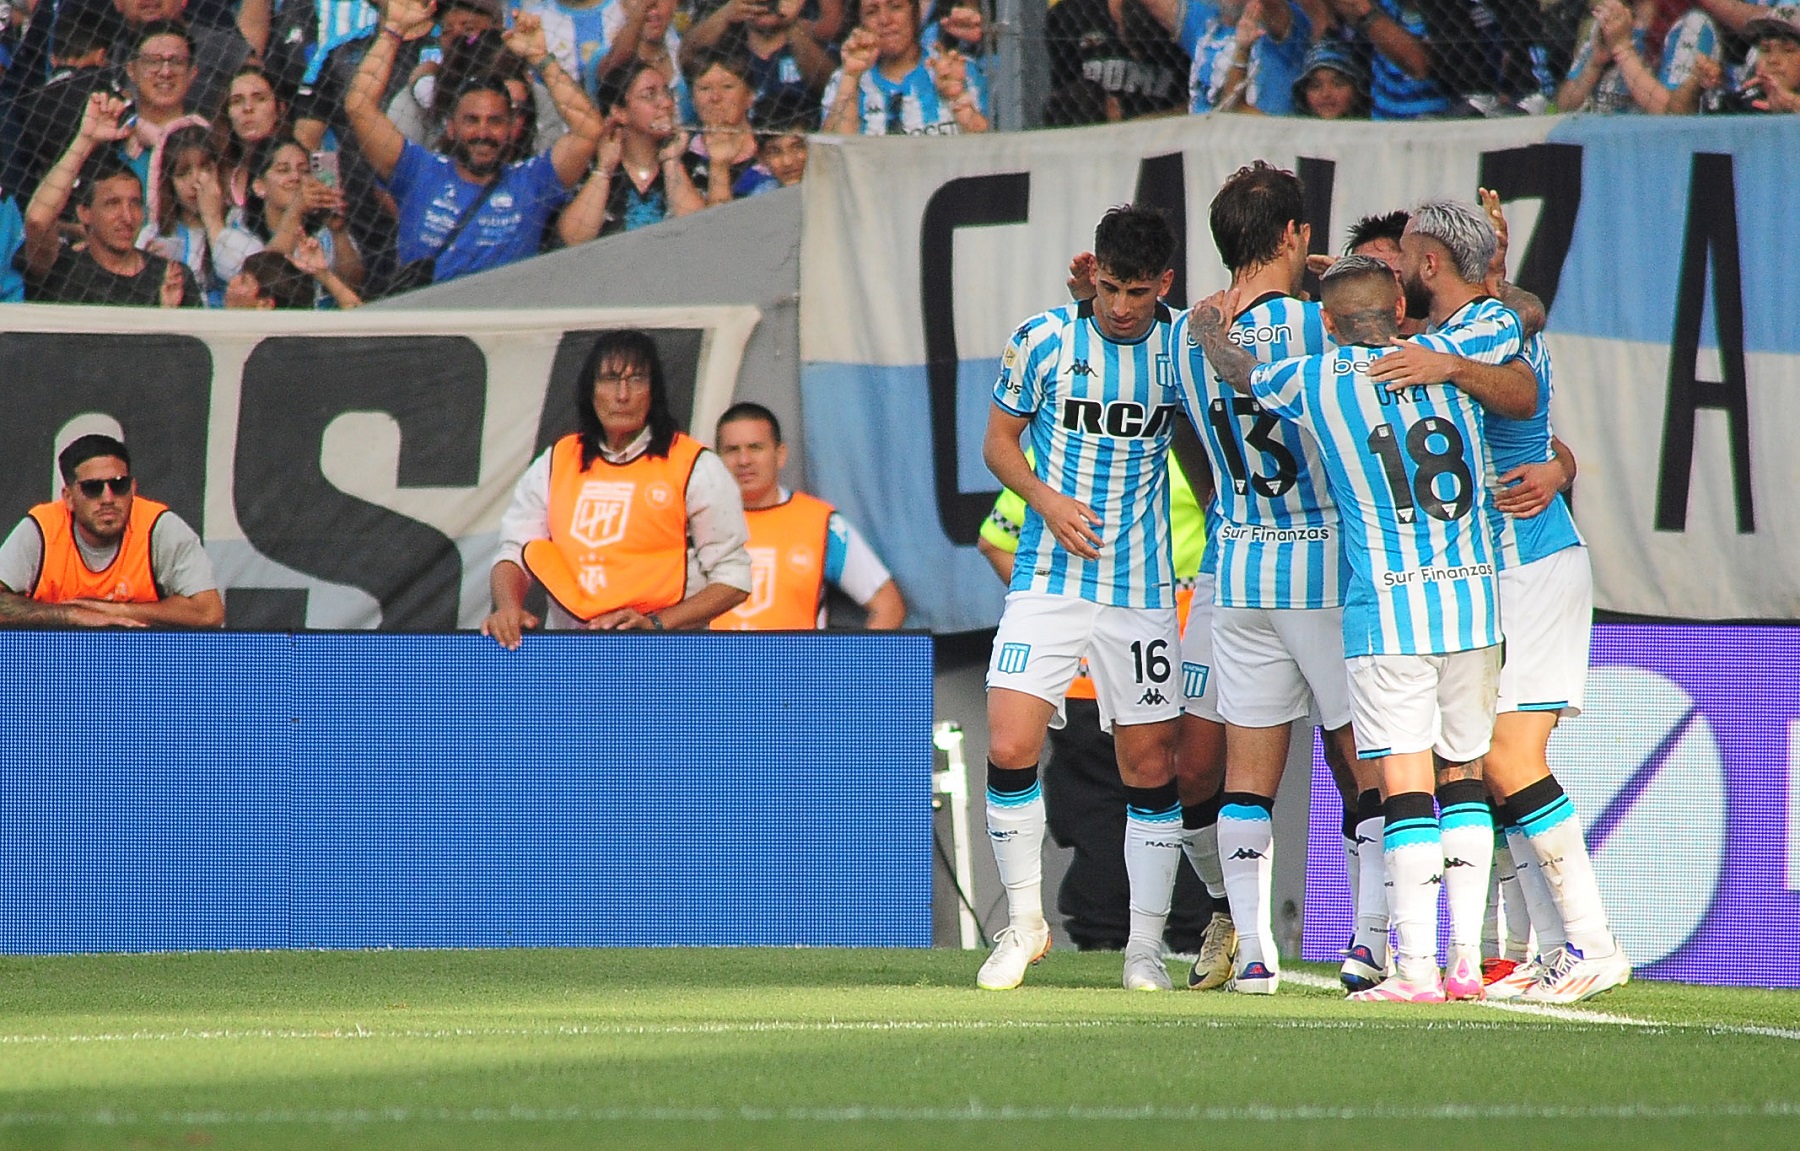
1233, 363
1525, 305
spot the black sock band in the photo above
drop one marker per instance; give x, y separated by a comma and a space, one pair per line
1410, 805
1462, 791
1195, 816
1347, 826
1368, 805
1151, 800
1532, 798
1010, 780
1250, 799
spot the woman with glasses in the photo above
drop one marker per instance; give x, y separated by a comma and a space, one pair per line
605, 518
639, 176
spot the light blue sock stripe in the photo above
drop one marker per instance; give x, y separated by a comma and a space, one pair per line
1409, 825
1015, 798
1397, 838
1555, 815
1145, 815
1245, 812
1465, 815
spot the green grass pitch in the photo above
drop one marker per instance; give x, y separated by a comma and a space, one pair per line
847, 1049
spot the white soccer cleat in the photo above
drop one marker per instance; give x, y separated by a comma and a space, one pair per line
1522, 978
1256, 978
1015, 949
1145, 969
1360, 971
1576, 977
1399, 989
1218, 950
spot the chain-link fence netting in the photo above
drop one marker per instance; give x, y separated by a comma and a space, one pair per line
216, 152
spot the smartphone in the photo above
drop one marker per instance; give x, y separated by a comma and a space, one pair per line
325, 168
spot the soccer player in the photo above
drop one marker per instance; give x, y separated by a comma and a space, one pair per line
1421, 615
1276, 645
1546, 591
1094, 385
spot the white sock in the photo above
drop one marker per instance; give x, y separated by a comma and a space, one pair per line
1490, 916
1467, 830
1015, 823
1153, 843
1372, 898
1201, 846
1415, 865
1517, 945
1352, 870
1540, 902
1247, 856
1555, 836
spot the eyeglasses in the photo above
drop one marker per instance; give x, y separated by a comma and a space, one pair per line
92, 489
631, 380
165, 63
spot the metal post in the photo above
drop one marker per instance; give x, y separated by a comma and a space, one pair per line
952, 781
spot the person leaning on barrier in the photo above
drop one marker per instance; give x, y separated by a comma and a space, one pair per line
798, 543
603, 519
104, 556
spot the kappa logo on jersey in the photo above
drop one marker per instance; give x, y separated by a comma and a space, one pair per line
1122, 419
1081, 368
762, 582
1013, 657
602, 513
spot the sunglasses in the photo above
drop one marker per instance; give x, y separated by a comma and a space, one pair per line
92, 489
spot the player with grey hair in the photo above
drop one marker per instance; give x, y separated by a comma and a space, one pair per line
1463, 231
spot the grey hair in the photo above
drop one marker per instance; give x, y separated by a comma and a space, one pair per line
1355, 267
1462, 229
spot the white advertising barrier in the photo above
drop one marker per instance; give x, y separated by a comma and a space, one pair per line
1656, 243
346, 470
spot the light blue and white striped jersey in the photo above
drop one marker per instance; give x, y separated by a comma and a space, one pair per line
1278, 544
1487, 331
1405, 467
1102, 414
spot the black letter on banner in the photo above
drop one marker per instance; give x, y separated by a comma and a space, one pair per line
1316, 180
1711, 228
158, 387
1162, 183
971, 202
1553, 173
435, 388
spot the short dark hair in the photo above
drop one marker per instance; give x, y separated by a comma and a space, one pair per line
155, 28
1134, 242
613, 86
105, 165
84, 25
89, 447
720, 56
277, 278
1390, 226
1252, 211
749, 410
632, 345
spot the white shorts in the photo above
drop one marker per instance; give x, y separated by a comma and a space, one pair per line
1547, 612
1133, 654
1441, 703
1277, 666
1199, 683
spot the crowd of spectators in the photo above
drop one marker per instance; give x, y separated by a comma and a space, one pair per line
310, 153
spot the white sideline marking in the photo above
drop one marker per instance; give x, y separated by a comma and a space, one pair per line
1579, 1014
974, 1111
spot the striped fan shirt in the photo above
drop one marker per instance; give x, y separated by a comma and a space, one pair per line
1278, 543
1406, 468
1102, 414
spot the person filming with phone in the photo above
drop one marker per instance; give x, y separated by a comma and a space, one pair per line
103, 556
470, 210
287, 204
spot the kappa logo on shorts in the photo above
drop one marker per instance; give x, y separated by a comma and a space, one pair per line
1193, 678
1153, 698
1013, 657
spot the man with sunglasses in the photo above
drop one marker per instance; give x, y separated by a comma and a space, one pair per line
104, 557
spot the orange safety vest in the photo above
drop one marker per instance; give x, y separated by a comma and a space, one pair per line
1083, 685
787, 562
64, 575
618, 532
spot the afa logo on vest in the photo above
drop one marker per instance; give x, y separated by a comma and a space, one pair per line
602, 513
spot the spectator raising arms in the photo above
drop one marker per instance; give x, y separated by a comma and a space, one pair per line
1624, 67
109, 268
640, 178
1246, 54
788, 67
888, 86
470, 210
722, 158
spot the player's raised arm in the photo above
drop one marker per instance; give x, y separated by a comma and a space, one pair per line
1069, 520
1207, 325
